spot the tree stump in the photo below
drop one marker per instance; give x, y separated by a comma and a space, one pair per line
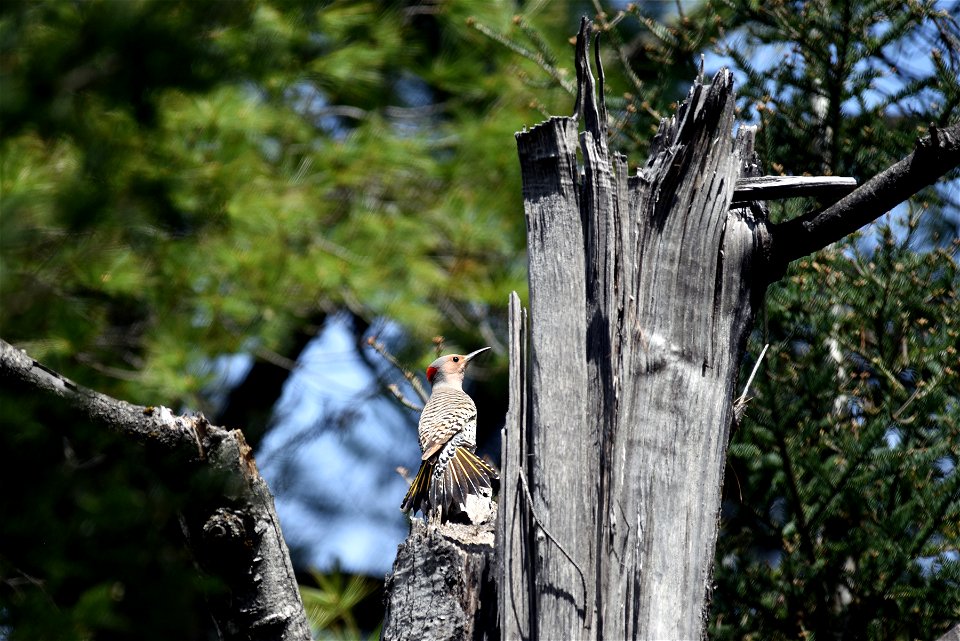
443, 585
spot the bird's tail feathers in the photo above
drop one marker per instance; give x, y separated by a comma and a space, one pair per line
447, 487
419, 489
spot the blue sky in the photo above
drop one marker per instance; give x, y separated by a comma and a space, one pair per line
331, 459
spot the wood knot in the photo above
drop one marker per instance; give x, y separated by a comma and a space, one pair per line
229, 540
225, 526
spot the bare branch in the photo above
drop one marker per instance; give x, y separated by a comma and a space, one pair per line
233, 532
397, 394
155, 425
277, 359
935, 155
381, 349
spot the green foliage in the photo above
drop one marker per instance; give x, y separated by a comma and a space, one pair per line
180, 183
842, 496
269, 162
330, 606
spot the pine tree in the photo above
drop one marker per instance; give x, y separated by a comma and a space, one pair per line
842, 495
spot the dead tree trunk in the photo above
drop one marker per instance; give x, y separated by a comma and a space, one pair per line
640, 303
643, 290
443, 585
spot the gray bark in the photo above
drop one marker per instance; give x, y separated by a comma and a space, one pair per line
515, 526
443, 585
630, 393
234, 535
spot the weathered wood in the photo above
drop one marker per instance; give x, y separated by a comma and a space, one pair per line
630, 394
443, 585
514, 527
777, 187
558, 377
682, 312
234, 535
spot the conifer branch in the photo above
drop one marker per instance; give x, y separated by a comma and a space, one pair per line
616, 42
536, 57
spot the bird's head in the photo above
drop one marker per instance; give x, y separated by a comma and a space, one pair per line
450, 368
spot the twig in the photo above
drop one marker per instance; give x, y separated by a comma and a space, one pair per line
393, 389
617, 42
918, 393
537, 58
489, 336
533, 513
275, 358
415, 383
756, 366
740, 405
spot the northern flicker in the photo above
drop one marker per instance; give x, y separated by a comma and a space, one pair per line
449, 470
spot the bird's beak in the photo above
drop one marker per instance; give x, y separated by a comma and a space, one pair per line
469, 357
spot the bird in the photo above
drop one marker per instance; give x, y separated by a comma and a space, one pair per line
449, 469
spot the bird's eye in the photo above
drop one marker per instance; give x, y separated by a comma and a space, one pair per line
456, 359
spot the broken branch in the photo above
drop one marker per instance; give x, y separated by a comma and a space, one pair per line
779, 187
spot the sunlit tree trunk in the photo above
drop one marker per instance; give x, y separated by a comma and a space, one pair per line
643, 290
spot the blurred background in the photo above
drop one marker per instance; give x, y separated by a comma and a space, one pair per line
214, 206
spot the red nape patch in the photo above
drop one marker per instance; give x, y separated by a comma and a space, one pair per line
431, 372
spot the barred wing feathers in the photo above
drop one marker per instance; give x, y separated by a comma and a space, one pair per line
447, 413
